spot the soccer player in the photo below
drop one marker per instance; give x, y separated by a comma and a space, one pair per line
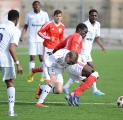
81, 68
9, 37
72, 42
56, 63
34, 21
92, 36
52, 33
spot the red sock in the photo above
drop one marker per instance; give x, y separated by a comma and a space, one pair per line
34, 70
85, 85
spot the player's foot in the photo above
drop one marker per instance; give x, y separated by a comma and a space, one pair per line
67, 99
73, 100
30, 77
38, 92
98, 93
40, 105
66, 90
42, 79
12, 114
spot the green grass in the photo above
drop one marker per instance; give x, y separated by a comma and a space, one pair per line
110, 68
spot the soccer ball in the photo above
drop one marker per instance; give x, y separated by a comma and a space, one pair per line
120, 102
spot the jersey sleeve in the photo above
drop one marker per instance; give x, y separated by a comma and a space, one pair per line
15, 36
43, 30
98, 30
76, 44
27, 19
61, 45
61, 37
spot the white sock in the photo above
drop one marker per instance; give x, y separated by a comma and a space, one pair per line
11, 98
42, 87
31, 65
94, 87
69, 83
44, 94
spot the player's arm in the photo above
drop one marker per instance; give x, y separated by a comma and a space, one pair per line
76, 44
99, 42
24, 30
43, 30
61, 36
12, 50
60, 45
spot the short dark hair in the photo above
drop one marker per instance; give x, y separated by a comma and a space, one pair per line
56, 12
35, 2
13, 15
81, 26
93, 10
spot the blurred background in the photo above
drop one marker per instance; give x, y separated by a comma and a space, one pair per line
75, 11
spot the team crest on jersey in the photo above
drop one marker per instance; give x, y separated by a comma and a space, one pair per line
60, 30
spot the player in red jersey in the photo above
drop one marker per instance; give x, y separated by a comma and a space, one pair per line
52, 33
76, 71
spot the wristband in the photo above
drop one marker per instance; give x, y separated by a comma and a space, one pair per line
17, 62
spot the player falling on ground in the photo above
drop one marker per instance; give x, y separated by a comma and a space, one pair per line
56, 64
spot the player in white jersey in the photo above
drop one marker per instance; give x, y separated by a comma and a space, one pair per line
33, 22
9, 38
56, 64
92, 36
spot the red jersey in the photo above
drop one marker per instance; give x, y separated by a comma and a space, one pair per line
72, 42
53, 34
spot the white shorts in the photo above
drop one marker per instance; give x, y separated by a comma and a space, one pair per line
87, 57
36, 48
8, 73
58, 72
75, 71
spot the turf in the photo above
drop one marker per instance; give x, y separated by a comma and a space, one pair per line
110, 67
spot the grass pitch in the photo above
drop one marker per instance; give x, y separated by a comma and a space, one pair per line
110, 68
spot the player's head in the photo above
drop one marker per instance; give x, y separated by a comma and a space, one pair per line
57, 16
93, 15
82, 29
36, 6
71, 57
13, 15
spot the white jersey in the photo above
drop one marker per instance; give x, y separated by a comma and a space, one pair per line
93, 31
57, 60
35, 21
8, 34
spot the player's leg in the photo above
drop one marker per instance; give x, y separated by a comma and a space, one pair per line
95, 90
32, 54
8, 77
40, 53
91, 78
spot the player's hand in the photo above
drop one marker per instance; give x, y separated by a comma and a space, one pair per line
104, 50
19, 69
21, 39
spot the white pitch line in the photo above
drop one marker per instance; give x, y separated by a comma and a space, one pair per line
61, 103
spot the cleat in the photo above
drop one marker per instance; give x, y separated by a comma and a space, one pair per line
66, 90
40, 105
74, 100
30, 77
98, 93
12, 114
42, 79
38, 92
67, 99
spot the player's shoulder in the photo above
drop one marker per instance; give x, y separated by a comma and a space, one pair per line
62, 24
43, 12
98, 23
